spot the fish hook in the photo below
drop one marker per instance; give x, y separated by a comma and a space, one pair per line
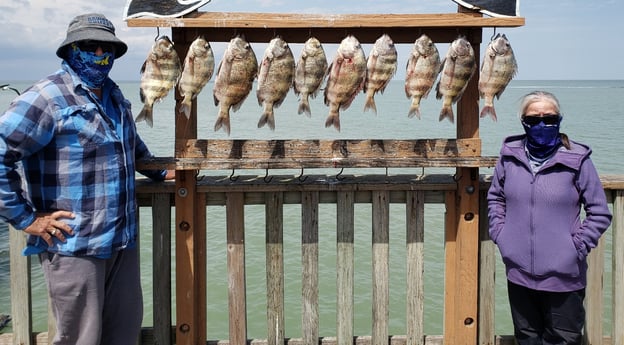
421, 176
339, 177
302, 178
493, 35
197, 177
232, 177
267, 178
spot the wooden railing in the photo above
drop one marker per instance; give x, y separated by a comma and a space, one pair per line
344, 191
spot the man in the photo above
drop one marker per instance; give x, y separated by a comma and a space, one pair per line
74, 136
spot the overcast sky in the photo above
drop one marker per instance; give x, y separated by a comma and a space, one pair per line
561, 39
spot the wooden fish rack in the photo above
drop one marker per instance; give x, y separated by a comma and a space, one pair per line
462, 152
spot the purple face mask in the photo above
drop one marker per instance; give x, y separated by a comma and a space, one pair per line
542, 139
91, 68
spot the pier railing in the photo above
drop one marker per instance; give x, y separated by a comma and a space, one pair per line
604, 306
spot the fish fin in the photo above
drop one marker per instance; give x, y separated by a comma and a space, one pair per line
414, 109
370, 103
489, 110
447, 112
223, 121
185, 107
333, 119
304, 107
146, 115
267, 119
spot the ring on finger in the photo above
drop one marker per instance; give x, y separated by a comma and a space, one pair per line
53, 232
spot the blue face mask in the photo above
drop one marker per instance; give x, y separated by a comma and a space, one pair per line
542, 139
91, 68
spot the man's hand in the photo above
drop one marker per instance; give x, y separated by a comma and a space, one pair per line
48, 225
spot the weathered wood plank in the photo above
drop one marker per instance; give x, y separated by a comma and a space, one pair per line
487, 277
617, 227
415, 263
309, 258
381, 274
345, 261
275, 267
161, 258
237, 300
594, 294
21, 298
329, 28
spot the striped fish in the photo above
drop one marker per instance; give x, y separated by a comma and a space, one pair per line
423, 67
159, 74
381, 67
457, 68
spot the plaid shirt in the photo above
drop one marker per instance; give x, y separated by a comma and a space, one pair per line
76, 158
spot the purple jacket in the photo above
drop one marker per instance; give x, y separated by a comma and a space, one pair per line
535, 219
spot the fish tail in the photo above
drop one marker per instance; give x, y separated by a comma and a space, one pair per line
333, 120
185, 107
304, 107
447, 112
223, 121
267, 118
414, 109
489, 110
370, 102
146, 115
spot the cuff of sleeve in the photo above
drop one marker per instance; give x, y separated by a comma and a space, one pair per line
24, 223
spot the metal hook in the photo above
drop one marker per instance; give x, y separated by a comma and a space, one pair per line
267, 178
232, 177
421, 176
197, 177
339, 176
302, 178
157, 33
493, 35
457, 178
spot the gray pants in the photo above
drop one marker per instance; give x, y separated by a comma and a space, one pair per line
95, 301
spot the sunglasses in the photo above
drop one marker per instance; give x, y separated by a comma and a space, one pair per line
92, 46
547, 119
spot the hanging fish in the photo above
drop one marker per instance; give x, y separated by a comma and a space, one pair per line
309, 74
423, 67
498, 68
381, 67
159, 74
237, 70
197, 70
457, 68
275, 77
346, 78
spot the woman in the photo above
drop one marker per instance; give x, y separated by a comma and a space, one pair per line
539, 185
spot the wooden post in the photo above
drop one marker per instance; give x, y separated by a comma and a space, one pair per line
462, 266
190, 231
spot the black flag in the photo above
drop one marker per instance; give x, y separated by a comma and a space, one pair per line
162, 8
494, 8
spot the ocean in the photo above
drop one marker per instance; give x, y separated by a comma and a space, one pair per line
592, 115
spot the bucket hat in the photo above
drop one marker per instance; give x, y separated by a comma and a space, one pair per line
91, 27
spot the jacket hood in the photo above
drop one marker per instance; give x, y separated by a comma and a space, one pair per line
513, 146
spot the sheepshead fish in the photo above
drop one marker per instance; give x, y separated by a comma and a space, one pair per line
237, 70
309, 73
347, 74
457, 68
159, 74
197, 70
423, 67
498, 68
275, 77
381, 67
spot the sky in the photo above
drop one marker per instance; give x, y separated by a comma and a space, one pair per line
561, 39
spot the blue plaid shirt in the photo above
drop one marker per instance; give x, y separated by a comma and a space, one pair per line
78, 154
